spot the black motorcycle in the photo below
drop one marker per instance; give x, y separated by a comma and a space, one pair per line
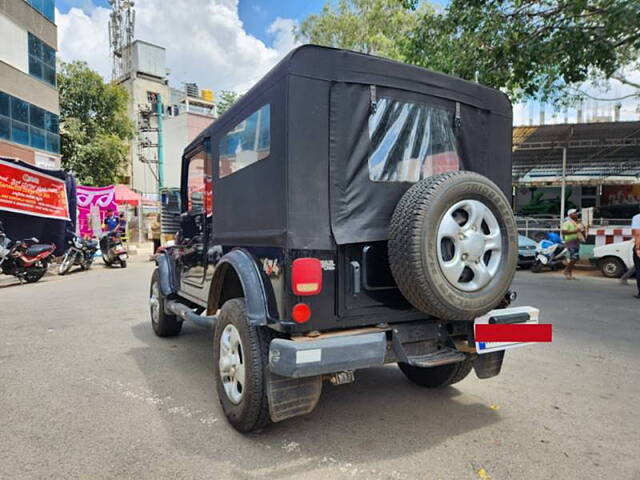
80, 252
113, 250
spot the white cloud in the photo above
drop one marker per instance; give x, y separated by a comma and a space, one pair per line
205, 40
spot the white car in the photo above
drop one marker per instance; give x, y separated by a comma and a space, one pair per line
613, 259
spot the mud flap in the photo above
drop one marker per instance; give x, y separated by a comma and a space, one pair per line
489, 364
290, 397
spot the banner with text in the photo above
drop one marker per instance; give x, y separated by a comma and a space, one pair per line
26, 191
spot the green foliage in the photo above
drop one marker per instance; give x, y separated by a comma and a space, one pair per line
95, 128
535, 49
377, 27
225, 100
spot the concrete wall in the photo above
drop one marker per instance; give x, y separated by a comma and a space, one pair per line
175, 135
13, 46
23, 15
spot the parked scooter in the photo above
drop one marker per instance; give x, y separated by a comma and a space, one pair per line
113, 250
550, 252
26, 259
80, 252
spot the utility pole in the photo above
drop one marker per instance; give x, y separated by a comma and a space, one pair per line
159, 113
564, 184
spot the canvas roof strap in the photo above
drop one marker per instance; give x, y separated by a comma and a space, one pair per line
457, 121
374, 98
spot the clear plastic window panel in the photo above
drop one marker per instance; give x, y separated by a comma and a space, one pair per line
410, 141
247, 143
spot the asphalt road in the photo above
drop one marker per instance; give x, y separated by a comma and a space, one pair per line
87, 391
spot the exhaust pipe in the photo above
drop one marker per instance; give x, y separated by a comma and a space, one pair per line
186, 313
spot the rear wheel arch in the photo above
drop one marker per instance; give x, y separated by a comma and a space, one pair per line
237, 275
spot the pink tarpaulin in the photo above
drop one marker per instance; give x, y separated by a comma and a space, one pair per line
93, 203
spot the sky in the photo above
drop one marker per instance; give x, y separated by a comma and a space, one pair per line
219, 44
230, 44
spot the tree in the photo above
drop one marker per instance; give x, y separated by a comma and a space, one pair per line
537, 49
376, 27
94, 126
227, 98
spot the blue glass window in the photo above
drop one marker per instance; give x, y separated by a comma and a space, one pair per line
37, 138
42, 60
4, 104
19, 110
20, 132
45, 7
5, 129
23, 123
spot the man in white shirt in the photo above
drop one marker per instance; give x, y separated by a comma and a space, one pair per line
635, 231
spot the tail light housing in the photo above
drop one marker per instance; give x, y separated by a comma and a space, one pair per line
306, 276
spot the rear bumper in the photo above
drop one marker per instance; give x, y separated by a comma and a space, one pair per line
295, 359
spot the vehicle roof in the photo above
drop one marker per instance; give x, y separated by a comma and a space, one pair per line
337, 65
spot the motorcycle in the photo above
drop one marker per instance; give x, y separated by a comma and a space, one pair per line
27, 259
113, 250
550, 252
80, 252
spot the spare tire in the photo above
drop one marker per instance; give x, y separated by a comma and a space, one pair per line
453, 245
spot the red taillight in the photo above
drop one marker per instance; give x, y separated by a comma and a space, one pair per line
306, 276
301, 313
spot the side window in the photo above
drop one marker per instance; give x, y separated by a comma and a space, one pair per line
199, 185
246, 143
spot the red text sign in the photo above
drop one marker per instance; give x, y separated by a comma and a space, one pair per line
26, 191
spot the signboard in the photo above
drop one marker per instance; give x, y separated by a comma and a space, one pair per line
93, 203
23, 190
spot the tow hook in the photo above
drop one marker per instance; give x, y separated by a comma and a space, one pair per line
342, 378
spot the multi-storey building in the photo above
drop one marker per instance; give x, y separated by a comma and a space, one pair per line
29, 107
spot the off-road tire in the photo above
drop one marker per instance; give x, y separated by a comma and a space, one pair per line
252, 413
413, 246
437, 377
612, 267
166, 325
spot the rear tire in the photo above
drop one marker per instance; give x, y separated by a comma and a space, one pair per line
164, 325
536, 267
437, 377
612, 267
249, 411
123, 263
34, 274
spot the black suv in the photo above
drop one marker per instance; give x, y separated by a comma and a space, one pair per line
347, 212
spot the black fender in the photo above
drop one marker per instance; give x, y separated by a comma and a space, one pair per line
257, 292
167, 273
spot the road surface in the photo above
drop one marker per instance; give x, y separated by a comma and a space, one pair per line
87, 391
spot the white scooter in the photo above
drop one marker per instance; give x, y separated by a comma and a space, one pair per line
551, 253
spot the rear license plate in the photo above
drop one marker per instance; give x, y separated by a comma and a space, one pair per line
514, 316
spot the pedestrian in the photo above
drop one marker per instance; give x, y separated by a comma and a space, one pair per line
572, 233
635, 231
110, 222
122, 223
156, 230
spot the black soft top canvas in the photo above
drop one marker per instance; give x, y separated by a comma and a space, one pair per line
315, 189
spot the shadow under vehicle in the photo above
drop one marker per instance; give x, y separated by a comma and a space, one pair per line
347, 212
